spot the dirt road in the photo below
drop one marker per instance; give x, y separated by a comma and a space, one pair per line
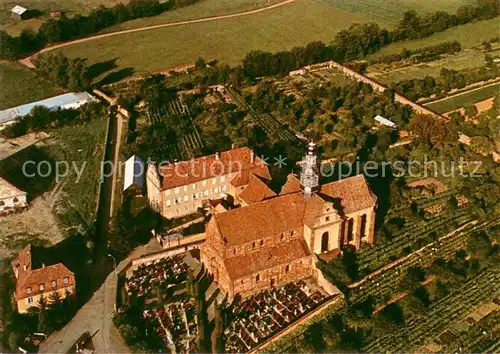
29, 63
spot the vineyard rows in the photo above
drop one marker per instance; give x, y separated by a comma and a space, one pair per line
383, 284
414, 231
481, 337
423, 202
458, 304
268, 123
190, 143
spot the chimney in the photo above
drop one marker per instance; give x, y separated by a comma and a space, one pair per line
43, 265
232, 146
217, 156
252, 156
24, 267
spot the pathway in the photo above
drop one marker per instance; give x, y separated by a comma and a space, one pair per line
96, 316
29, 63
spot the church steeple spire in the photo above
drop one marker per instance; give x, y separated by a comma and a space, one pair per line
309, 176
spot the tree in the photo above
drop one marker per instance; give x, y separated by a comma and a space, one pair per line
432, 132
480, 145
200, 63
14, 340
313, 337
218, 342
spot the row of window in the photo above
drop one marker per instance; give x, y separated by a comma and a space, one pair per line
53, 284
257, 277
30, 299
193, 185
196, 196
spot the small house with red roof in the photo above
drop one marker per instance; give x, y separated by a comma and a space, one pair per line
36, 281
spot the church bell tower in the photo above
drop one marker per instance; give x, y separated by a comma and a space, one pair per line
309, 176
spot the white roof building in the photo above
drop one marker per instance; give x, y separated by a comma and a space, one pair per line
134, 173
385, 121
70, 100
18, 10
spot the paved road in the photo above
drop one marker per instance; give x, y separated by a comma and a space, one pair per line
28, 61
96, 316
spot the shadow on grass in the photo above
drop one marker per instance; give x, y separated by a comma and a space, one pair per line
98, 69
28, 178
116, 76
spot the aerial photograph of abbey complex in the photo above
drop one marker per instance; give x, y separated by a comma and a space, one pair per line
249, 176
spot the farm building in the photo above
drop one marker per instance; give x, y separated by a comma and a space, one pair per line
18, 13
70, 100
385, 121
11, 198
134, 176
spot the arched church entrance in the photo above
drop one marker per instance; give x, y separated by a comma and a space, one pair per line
324, 242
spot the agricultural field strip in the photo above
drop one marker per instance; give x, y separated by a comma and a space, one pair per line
465, 99
474, 340
474, 292
379, 255
383, 282
269, 123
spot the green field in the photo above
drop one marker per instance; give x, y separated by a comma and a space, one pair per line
469, 36
390, 11
71, 7
227, 40
201, 9
82, 143
20, 85
465, 99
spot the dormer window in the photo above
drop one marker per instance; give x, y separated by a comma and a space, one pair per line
327, 218
42, 287
257, 278
253, 244
282, 237
292, 233
53, 283
65, 280
234, 251
262, 242
28, 291
287, 268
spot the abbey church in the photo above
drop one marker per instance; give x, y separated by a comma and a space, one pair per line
273, 239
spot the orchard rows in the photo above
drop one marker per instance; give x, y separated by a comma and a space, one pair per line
267, 122
478, 289
413, 232
190, 142
383, 284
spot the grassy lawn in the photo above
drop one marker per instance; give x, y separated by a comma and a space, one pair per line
390, 11
79, 144
465, 99
227, 40
201, 9
469, 36
466, 59
21, 85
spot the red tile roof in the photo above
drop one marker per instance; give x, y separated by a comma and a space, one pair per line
288, 212
292, 185
240, 160
353, 192
266, 258
33, 278
256, 191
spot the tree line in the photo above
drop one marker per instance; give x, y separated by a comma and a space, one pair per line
360, 40
448, 79
422, 54
69, 28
